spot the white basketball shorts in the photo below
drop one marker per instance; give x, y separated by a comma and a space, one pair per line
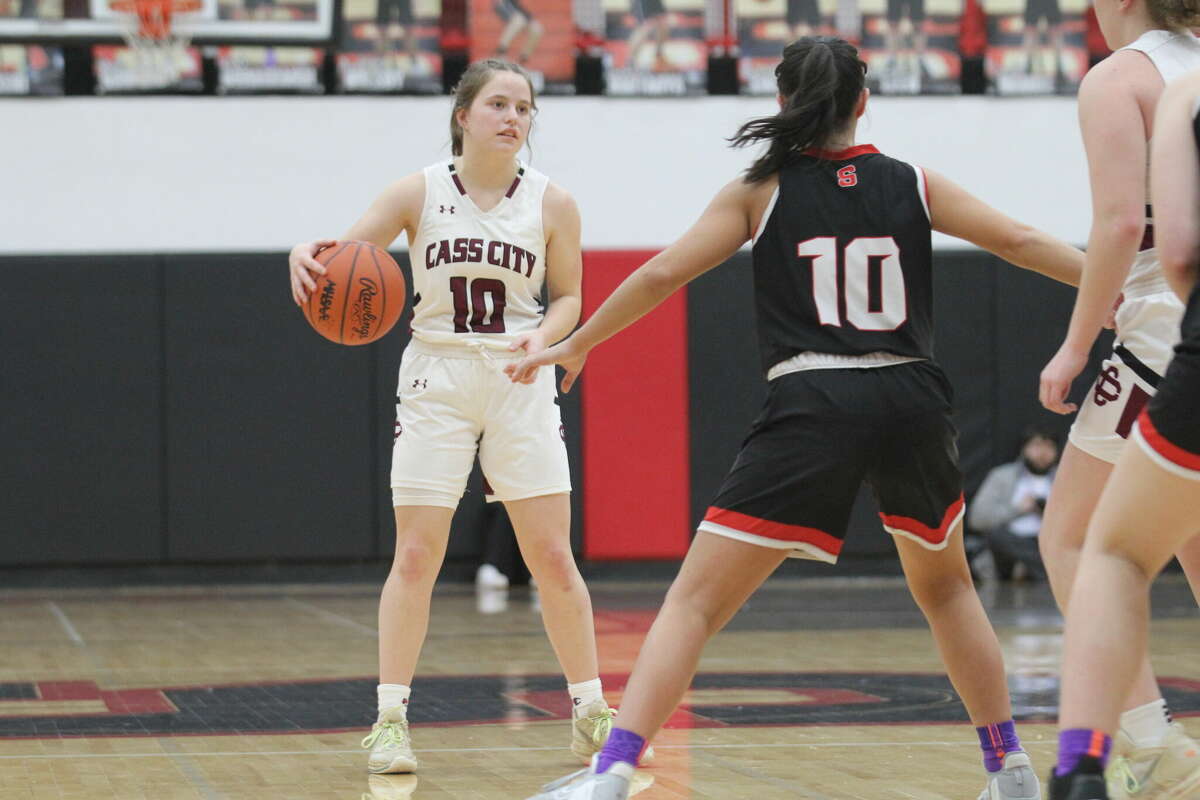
1147, 332
451, 403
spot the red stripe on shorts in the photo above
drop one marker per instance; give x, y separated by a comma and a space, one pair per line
919, 529
774, 530
1171, 452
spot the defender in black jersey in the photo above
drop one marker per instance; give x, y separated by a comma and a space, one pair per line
1147, 511
843, 276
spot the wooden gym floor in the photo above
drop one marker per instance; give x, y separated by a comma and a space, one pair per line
819, 689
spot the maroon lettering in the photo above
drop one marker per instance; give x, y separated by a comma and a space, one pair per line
493, 254
531, 259
458, 290
494, 288
429, 262
460, 250
508, 248
1138, 397
475, 250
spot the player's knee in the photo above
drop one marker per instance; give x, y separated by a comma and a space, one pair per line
554, 567
940, 589
415, 563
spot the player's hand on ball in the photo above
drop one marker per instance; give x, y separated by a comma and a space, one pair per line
1057, 377
564, 354
302, 266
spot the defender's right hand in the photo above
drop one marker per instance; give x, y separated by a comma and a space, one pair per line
302, 266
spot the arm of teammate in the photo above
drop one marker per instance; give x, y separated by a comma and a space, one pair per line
1175, 185
716, 235
398, 208
564, 274
1114, 137
956, 212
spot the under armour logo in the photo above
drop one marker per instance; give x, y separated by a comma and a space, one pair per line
444, 209
420, 383
1105, 394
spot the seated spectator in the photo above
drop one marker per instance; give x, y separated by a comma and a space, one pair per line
1008, 507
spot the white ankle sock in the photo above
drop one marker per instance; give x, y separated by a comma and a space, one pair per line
584, 694
1147, 725
393, 695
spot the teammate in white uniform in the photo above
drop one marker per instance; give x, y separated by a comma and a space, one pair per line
1131, 540
485, 233
1116, 108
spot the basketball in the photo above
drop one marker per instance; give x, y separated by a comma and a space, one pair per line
359, 298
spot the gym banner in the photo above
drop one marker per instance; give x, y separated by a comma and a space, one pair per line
538, 34
30, 70
655, 47
911, 46
390, 46
1036, 46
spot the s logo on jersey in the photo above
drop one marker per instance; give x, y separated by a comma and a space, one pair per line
480, 251
847, 176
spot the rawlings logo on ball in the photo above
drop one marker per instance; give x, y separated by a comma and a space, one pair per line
362, 313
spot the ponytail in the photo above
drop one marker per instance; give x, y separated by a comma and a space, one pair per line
820, 79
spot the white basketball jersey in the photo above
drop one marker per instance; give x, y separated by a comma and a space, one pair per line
477, 276
1173, 53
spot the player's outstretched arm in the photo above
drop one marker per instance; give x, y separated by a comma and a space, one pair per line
1175, 185
956, 212
716, 235
564, 275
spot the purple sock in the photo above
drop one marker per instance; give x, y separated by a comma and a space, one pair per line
1076, 744
998, 741
622, 745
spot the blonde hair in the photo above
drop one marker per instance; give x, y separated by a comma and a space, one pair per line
1174, 14
469, 86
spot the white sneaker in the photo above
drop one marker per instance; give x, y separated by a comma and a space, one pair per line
488, 577
1014, 781
390, 744
1170, 771
590, 728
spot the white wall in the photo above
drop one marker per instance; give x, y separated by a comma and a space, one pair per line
258, 174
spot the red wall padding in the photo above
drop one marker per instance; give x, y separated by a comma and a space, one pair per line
635, 425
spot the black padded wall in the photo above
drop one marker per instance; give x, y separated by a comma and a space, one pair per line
269, 430
82, 410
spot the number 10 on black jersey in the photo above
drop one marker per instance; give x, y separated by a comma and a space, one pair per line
871, 291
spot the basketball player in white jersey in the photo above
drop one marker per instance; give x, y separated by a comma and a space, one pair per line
1131, 540
1116, 109
485, 233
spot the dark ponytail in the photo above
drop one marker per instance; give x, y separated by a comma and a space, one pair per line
820, 79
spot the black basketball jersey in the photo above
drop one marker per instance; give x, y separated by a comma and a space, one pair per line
843, 259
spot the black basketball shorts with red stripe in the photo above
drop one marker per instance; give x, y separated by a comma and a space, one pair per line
821, 434
1169, 428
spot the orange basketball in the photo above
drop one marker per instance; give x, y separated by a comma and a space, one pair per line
360, 296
